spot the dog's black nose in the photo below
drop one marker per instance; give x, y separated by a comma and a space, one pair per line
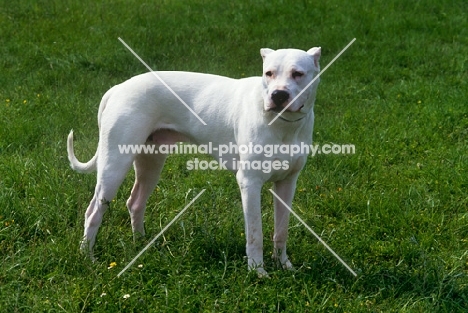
279, 97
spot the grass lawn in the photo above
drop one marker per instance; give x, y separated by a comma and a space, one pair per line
396, 210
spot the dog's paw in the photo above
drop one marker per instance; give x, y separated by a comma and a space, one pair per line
258, 269
287, 265
282, 261
138, 236
87, 251
261, 273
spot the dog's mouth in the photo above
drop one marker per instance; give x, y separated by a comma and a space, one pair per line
276, 109
279, 109
288, 117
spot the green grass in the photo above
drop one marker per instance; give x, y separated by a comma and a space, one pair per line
396, 210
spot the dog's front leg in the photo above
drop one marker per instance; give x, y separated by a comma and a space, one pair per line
250, 192
285, 190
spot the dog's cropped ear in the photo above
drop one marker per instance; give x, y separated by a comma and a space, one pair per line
265, 51
315, 53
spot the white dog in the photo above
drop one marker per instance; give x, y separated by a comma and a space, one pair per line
142, 110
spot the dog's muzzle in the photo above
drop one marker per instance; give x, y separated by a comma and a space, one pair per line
279, 97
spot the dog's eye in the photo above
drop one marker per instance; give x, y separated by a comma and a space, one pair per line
269, 74
297, 74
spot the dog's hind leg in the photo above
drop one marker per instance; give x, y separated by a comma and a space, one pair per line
111, 172
148, 168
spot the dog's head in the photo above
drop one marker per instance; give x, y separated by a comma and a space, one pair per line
286, 74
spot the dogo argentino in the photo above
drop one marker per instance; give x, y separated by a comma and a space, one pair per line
142, 111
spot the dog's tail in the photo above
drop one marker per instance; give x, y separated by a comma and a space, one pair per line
87, 167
